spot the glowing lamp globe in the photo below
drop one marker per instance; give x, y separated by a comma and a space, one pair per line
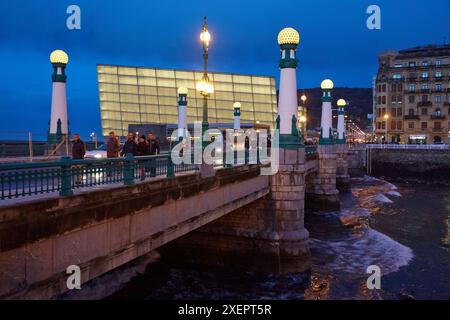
288, 36
237, 105
341, 103
327, 84
182, 90
205, 37
205, 87
59, 56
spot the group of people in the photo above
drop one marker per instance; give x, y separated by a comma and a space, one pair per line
142, 147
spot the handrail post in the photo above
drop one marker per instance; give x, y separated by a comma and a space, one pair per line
128, 174
66, 177
170, 167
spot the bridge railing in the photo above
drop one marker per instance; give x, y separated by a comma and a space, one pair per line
66, 175
310, 150
409, 146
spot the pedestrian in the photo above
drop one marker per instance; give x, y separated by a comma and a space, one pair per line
130, 146
142, 149
78, 152
153, 144
113, 146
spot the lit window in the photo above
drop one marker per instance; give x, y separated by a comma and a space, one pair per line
424, 74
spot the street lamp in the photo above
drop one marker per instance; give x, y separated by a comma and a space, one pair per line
386, 117
204, 86
303, 122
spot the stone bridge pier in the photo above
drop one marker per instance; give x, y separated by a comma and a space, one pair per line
342, 175
266, 236
322, 194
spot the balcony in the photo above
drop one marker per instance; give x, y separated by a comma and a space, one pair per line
437, 117
425, 90
424, 104
411, 117
438, 129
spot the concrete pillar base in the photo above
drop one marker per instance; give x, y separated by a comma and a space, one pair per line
343, 183
322, 202
242, 253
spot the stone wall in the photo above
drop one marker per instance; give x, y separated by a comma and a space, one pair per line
408, 163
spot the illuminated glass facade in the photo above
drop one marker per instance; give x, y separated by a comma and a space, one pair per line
137, 95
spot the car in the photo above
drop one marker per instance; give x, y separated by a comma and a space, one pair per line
98, 153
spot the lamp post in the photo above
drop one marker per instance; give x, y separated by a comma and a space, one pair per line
340, 123
386, 117
326, 134
204, 86
302, 116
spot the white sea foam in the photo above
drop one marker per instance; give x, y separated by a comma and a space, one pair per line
394, 193
352, 256
381, 198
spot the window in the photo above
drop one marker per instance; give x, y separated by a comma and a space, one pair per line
393, 126
411, 125
424, 112
399, 125
412, 88
438, 87
437, 125
411, 112
425, 98
383, 88
383, 125
399, 98
393, 112
399, 112
437, 99
438, 63
424, 75
424, 63
383, 100
398, 65
424, 86
397, 76
394, 88
437, 113
394, 99
438, 74
424, 125
412, 64
412, 99
449, 114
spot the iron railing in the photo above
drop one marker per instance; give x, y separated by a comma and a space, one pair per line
66, 175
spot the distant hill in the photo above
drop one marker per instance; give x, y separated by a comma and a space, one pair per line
359, 100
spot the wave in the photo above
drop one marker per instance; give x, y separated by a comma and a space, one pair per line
353, 255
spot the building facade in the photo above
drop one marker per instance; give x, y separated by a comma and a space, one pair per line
138, 96
412, 95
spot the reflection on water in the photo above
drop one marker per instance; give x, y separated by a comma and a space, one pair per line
402, 228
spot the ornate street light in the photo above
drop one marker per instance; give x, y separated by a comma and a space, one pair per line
204, 86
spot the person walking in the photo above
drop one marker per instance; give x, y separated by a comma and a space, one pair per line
142, 150
113, 146
130, 146
153, 144
78, 152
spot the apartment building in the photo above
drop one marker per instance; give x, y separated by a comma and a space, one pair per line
412, 95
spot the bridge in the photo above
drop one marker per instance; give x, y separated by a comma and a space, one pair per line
101, 214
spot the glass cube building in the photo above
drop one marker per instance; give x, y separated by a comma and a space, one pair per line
138, 95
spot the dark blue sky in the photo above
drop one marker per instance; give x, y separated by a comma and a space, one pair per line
334, 43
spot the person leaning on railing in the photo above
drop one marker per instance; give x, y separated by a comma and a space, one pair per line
78, 152
113, 146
